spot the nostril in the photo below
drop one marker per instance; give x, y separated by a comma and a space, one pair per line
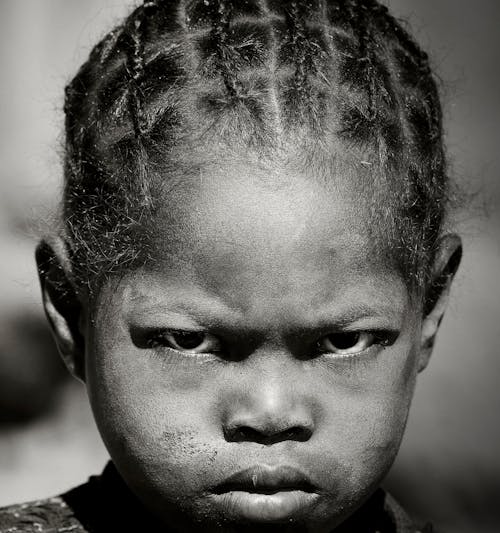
243, 434
267, 436
299, 433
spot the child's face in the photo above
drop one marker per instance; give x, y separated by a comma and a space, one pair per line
262, 370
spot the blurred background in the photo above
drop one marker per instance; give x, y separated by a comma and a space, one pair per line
448, 469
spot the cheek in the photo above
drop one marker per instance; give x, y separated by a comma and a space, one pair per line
368, 414
153, 419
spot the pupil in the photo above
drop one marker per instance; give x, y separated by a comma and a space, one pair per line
343, 341
189, 340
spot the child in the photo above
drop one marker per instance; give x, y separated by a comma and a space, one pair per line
251, 268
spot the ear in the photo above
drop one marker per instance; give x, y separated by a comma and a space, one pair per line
63, 306
446, 264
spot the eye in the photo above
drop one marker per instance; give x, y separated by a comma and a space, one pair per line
351, 342
185, 341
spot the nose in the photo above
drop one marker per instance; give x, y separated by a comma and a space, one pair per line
268, 409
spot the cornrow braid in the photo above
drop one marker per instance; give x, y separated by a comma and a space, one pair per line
366, 54
405, 39
299, 44
306, 51
222, 58
135, 65
225, 53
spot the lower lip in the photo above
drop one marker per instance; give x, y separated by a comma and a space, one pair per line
277, 507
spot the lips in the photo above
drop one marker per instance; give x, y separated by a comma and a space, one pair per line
267, 480
267, 494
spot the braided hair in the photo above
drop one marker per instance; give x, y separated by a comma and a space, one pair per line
251, 73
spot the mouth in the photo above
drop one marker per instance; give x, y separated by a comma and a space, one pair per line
267, 494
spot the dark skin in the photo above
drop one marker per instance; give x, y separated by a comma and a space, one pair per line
267, 335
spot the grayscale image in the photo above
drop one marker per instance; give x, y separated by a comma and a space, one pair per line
250, 266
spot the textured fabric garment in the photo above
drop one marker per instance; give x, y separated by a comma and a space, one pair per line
105, 505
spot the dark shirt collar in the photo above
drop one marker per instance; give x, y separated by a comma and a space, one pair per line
105, 504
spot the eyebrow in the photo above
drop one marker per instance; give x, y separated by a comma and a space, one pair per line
358, 311
206, 310
212, 314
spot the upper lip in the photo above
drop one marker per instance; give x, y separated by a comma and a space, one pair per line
267, 479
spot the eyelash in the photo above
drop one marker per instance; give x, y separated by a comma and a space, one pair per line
381, 339
158, 340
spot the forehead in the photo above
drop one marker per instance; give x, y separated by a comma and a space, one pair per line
267, 208
252, 231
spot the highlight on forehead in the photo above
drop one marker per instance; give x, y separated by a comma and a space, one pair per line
254, 75
371, 194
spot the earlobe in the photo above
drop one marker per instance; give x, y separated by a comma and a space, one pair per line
446, 264
63, 307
